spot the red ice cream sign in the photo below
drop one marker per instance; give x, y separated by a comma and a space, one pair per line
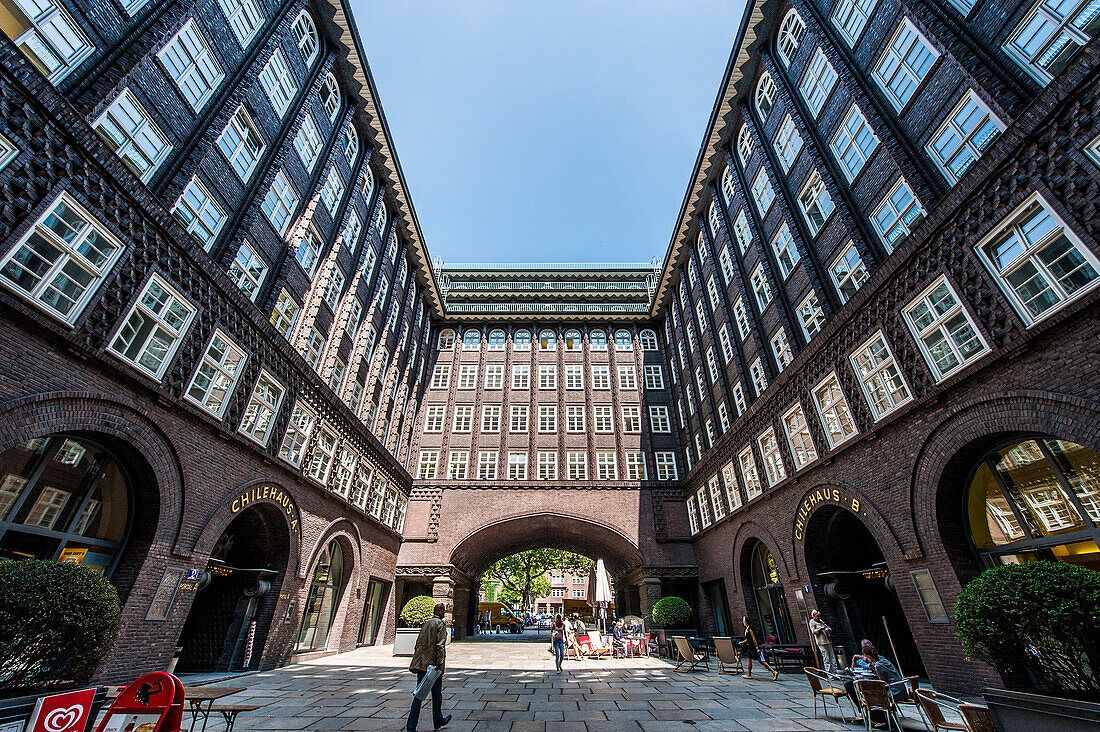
62, 712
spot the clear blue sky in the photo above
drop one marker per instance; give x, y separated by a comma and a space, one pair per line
562, 131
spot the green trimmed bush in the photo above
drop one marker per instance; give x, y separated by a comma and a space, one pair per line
671, 611
417, 610
1038, 618
58, 621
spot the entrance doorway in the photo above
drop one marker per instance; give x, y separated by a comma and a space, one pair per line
233, 608
372, 612
323, 600
854, 589
767, 591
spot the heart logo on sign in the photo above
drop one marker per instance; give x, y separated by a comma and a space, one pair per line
60, 720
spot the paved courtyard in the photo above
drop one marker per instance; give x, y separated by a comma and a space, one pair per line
508, 685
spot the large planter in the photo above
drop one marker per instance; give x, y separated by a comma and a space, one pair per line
1017, 710
405, 642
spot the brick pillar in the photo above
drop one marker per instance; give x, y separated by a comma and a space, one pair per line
461, 610
649, 592
443, 591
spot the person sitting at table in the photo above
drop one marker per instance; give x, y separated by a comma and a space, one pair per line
871, 662
618, 638
571, 642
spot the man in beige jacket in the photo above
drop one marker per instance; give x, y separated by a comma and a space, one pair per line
431, 650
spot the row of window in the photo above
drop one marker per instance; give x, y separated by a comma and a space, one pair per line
545, 465
547, 415
548, 339
547, 376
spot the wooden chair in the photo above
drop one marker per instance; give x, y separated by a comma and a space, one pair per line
729, 660
876, 695
688, 656
596, 647
977, 718
821, 685
932, 703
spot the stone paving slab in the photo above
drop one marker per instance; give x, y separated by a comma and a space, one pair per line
512, 687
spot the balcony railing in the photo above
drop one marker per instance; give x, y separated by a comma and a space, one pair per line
471, 308
578, 267
456, 285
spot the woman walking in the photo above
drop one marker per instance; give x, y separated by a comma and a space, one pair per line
557, 640
752, 648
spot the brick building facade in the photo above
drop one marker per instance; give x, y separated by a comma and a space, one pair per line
864, 370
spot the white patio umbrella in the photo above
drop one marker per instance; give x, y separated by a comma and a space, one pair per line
599, 593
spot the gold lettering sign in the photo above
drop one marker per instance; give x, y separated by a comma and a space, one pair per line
271, 494
837, 496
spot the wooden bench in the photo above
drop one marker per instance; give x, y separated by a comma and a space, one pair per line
229, 712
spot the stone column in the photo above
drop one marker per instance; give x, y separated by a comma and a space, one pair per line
649, 592
443, 591
461, 610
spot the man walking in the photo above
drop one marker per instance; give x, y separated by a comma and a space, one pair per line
431, 650
823, 636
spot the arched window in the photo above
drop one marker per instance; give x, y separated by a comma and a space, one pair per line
790, 35
744, 144
349, 143
330, 97
305, 33
771, 603
521, 340
649, 340
548, 340
623, 340
597, 340
64, 498
572, 340
471, 340
446, 339
712, 216
496, 340
727, 185
1036, 499
765, 95
323, 599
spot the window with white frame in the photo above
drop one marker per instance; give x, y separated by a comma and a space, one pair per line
305, 36
307, 143
429, 462
725, 342
627, 379
496, 340
798, 437
1038, 261
457, 461
446, 340
883, 385
298, 430
817, 82
494, 376
745, 144
811, 315
490, 418
715, 228
518, 422
762, 192
467, 376
243, 17
636, 466
521, 376
654, 377
247, 270
741, 316
761, 287
666, 465
904, 64
191, 65
730, 488
343, 471
786, 253
943, 329
548, 466
606, 466
62, 260
749, 475
471, 339
1051, 34
241, 144
850, 18
693, 520
154, 327
47, 35
703, 503
601, 376
898, 213
714, 488
781, 349
574, 418
199, 213
324, 452
658, 419
791, 31
741, 231
463, 418
521, 340
788, 143
968, 131
8, 152
759, 378
765, 95
597, 340
280, 202
712, 365
308, 250
739, 398
712, 293
632, 418
433, 417
853, 143
313, 348
330, 97
355, 317
217, 374
816, 203
649, 340
263, 406
602, 420
517, 466
574, 378
332, 190
1092, 150
726, 264
333, 288
132, 135
285, 313
441, 376
278, 83
352, 229
572, 340
833, 410
577, 463
548, 418
548, 376
848, 272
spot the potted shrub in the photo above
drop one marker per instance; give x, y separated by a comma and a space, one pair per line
1039, 625
57, 623
669, 612
413, 615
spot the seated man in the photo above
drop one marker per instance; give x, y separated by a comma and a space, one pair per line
882, 668
618, 638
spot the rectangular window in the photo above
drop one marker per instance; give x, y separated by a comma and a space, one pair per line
263, 406
574, 418
878, 374
324, 452
48, 36
761, 287
548, 418
816, 203
929, 596
904, 64
1051, 34
818, 82
606, 468
280, 202
632, 418
332, 191
848, 272
773, 461
574, 377
278, 83
739, 398
441, 376
602, 419
786, 253
741, 231
781, 349
716, 499
833, 410
635, 466
457, 461
654, 377
308, 143
853, 143
729, 485
742, 318
187, 59
308, 250
968, 131
433, 418
336, 376
759, 378
355, 317
333, 288
518, 422
577, 463
285, 313
850, 18
313, 348
298, 431
626, 378
693, 520
517, 466
153, 329
490, 418
712, 365
429, 461
548, 376
726, 264
943, 329
243, 17
344, 471
763, 193
62, 261
601, 377
658, 419
898, 213
788, 143
749, 476
548, 466
494, 376
199, 213
486, 465
798, 437
666, 465
467, 376
130, 132
521, 376
217, 374
811, 315
464, 418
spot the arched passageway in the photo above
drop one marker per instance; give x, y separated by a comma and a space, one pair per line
766, 598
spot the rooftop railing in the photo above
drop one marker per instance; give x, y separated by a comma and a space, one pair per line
471, 308
455, 285
579, 267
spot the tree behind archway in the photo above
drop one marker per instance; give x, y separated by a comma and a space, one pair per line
522, 576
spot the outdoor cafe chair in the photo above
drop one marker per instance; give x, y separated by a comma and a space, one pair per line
977, 718
729, 660
688, 656
822, 685
596, 647
874, 694
932, 703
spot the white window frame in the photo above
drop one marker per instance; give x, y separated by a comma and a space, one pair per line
308, 143
970, 139
125, 337
763, 193
187, 59
280, 202
278, 83
219, 373
298, 431
666, 465
1064, 30
850, 17
834, 411
818, 82
856, 271
797, 429
786, 250
816, 203
787, 143
142, 138
658, 419
938, 325
878, 372
750, 474
261, 402
895, 72
244, 17
897, 214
